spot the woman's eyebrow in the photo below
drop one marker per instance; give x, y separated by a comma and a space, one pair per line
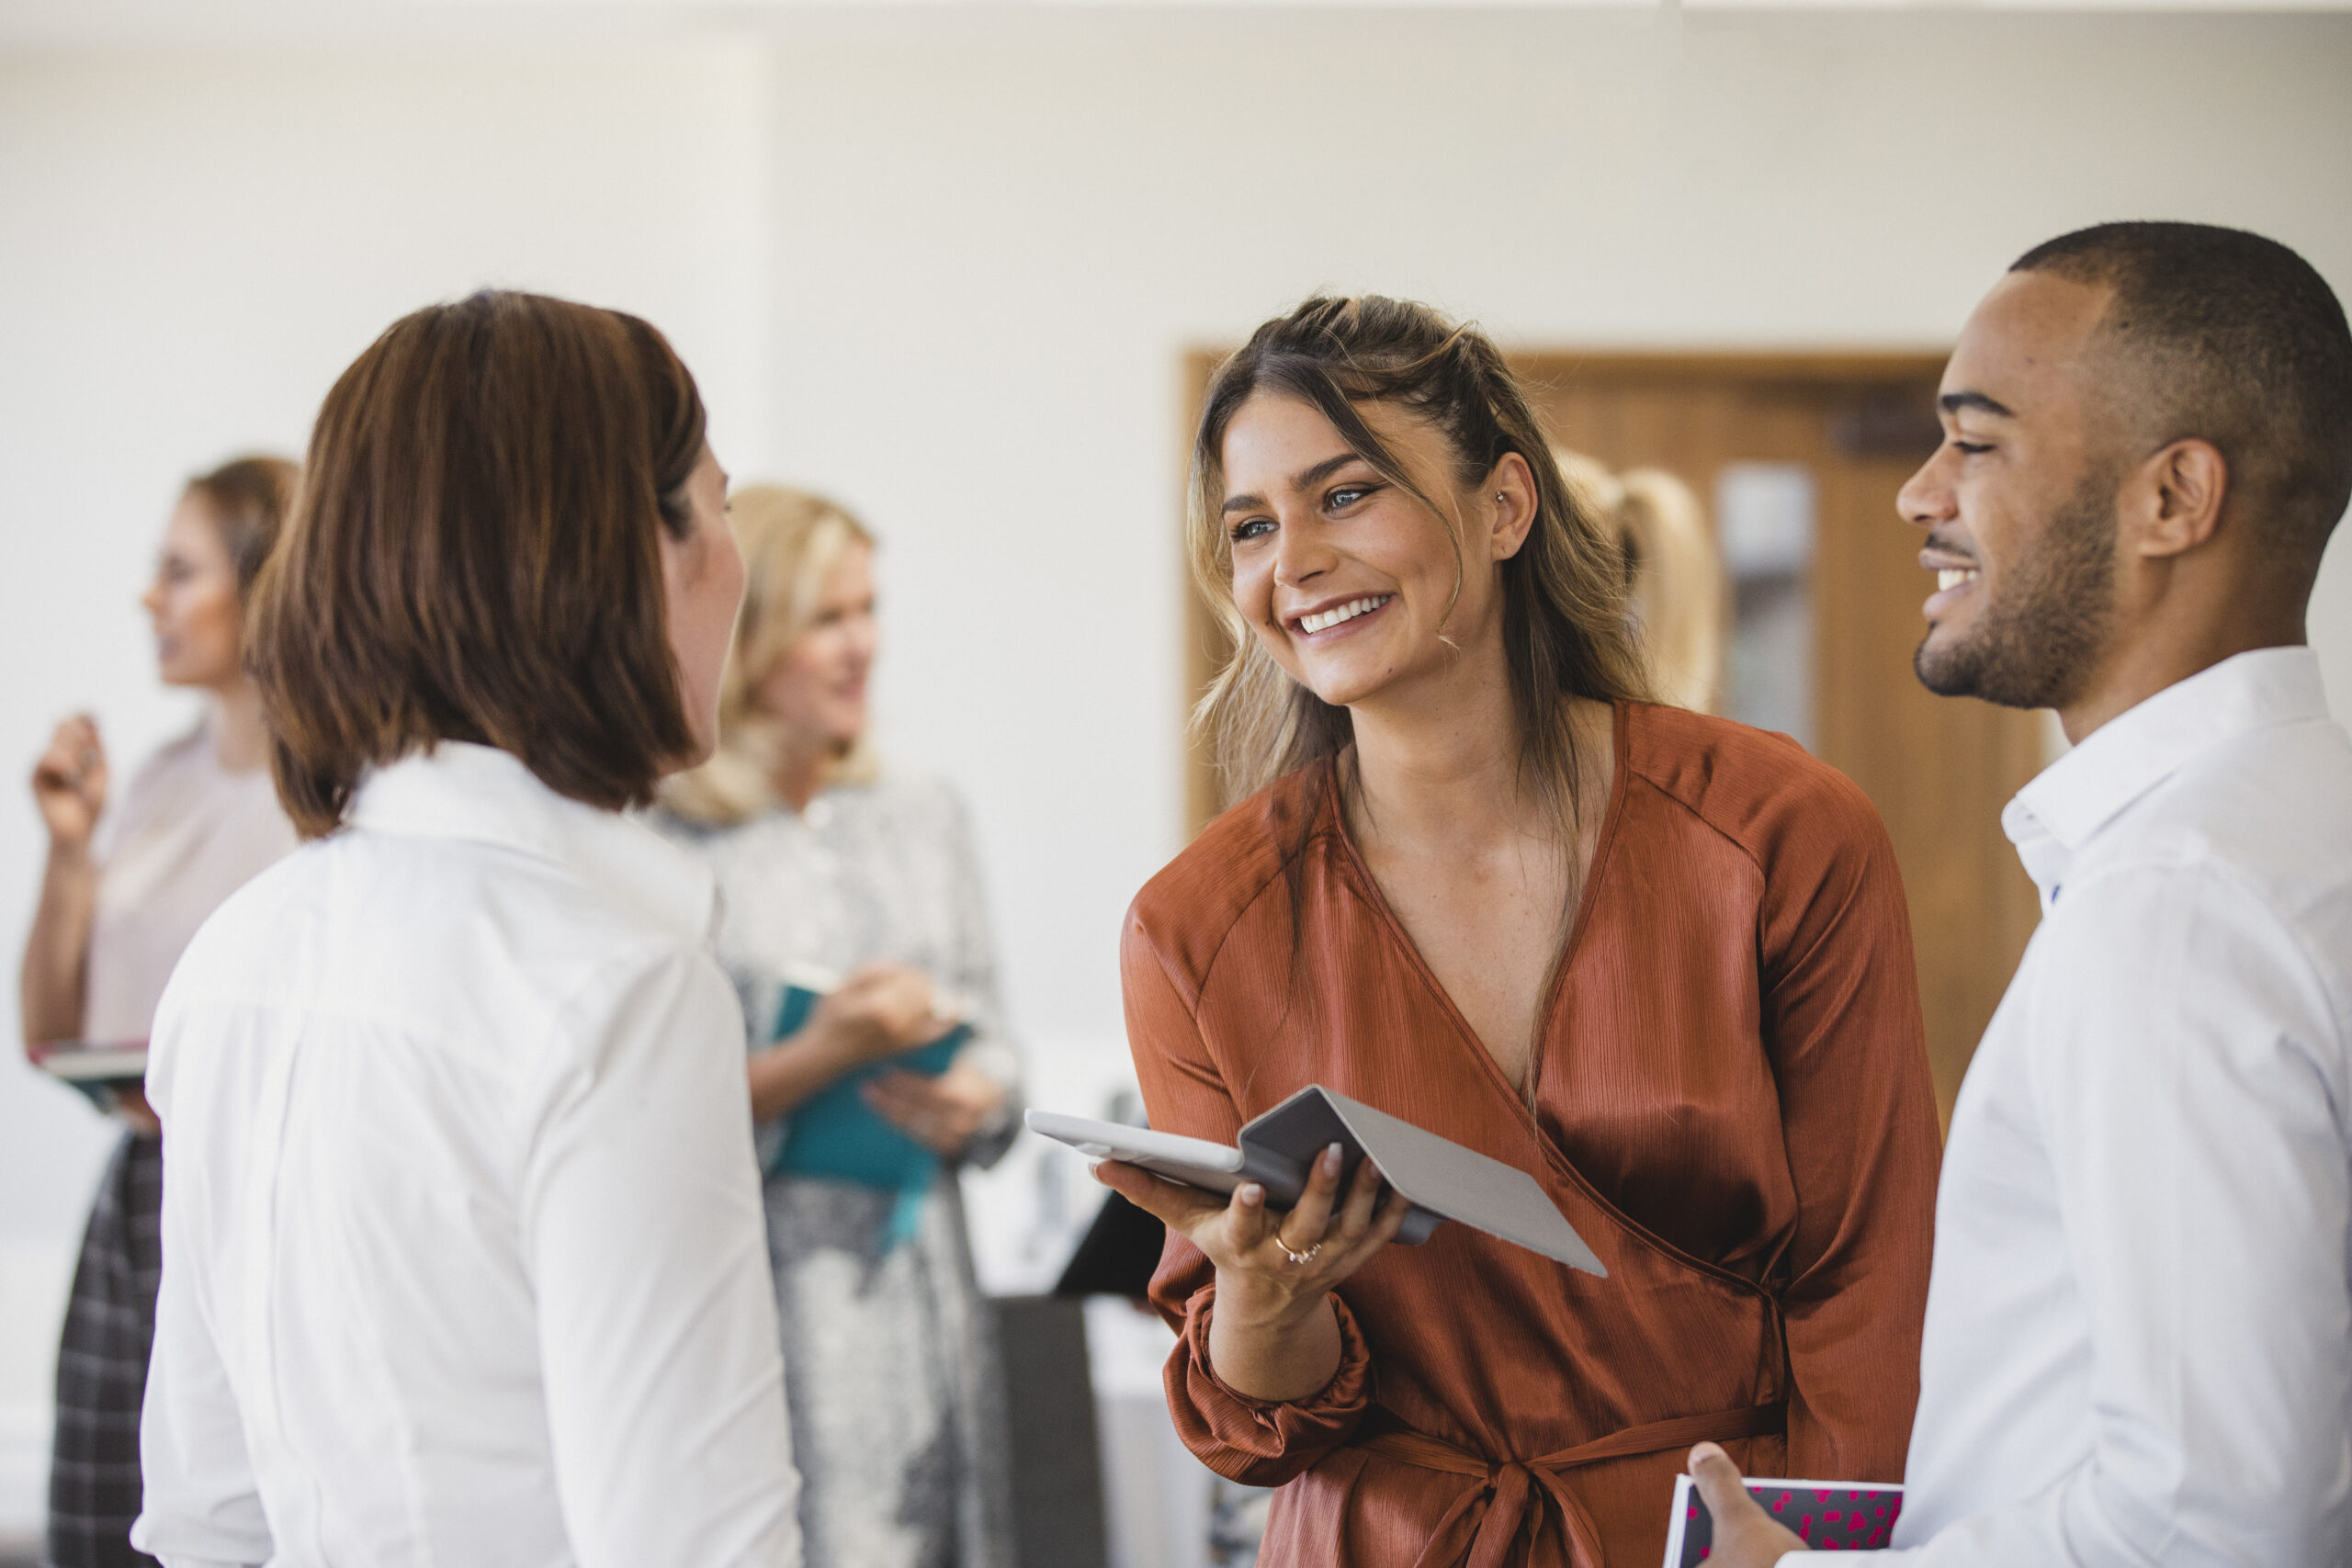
1304, 479
1308, 478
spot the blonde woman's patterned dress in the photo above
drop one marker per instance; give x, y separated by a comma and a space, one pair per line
889, 1362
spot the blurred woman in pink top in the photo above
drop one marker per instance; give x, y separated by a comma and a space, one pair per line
119, 901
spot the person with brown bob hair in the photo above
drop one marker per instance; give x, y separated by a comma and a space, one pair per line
464, 1253
486, 590
1485, 883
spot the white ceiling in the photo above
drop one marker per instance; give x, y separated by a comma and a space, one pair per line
182, 23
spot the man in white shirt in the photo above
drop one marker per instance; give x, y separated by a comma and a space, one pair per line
2139, 1333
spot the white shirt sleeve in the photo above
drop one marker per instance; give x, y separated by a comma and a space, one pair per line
201, 1508
2190, 1084
644, 1236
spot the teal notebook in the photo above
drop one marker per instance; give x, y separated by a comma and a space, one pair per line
835, 1134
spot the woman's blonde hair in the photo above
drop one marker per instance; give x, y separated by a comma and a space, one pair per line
791, 542
1675, 572
1564, 632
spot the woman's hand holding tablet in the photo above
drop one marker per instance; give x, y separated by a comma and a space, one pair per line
1273, 1336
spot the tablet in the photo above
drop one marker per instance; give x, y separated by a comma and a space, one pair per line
1439, 1180
1196, 1162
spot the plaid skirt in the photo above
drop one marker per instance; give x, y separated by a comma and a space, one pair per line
94, 1488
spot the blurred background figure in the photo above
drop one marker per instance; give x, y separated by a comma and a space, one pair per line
197, 820
1679, 597
859, 884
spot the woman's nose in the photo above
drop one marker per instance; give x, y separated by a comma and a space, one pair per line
1299, 558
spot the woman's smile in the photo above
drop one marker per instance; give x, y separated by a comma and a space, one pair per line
1334, 618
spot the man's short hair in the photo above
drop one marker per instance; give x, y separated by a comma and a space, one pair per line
474, 555
2231, 338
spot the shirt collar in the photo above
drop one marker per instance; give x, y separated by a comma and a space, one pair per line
458, 790
2069, 801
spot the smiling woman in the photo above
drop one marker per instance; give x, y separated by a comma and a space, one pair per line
1399, 429
1657, 960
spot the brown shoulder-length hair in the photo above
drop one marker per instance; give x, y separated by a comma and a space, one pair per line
473, 556
1564, 629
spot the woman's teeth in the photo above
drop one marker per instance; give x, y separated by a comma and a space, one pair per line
1949, 578
1347, 612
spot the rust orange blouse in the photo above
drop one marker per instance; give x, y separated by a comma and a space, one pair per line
1732, 1105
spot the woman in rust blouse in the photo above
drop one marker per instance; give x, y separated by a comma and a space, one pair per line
1659, 960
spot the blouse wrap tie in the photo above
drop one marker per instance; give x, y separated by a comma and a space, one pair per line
1486, 1518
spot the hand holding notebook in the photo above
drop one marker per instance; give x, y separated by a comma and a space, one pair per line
837, 1134
1726, 1521
875, 1011
1441, 1179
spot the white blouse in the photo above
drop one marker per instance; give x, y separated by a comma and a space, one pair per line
463, 1256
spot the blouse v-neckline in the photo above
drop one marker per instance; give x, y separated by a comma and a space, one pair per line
1369, 890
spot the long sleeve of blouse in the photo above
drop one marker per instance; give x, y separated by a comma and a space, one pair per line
1841, 1029
1257, 1442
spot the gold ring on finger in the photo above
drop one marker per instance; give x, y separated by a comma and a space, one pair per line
1300, 1259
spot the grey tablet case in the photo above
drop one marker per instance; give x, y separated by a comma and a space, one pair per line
1441, 1180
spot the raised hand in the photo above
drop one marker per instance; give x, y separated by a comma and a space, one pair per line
69, 784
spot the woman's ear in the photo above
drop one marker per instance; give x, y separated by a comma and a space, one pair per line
1508, 501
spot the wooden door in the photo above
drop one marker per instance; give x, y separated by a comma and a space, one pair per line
1938, 769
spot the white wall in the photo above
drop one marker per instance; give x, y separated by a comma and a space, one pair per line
943, 262
1002, 227
998, 229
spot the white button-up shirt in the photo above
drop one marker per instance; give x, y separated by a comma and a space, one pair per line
463, 1256
2139, 1333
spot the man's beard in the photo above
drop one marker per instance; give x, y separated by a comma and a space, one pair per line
2034, 646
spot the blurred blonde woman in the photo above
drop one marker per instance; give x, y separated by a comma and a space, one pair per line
860, 882
1675, 573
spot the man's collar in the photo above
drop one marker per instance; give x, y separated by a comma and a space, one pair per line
459, 790
2131, 753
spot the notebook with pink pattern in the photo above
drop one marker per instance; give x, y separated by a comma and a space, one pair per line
1828, 1515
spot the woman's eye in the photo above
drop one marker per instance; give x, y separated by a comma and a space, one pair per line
1346, 496
1969, 448
1255, 528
